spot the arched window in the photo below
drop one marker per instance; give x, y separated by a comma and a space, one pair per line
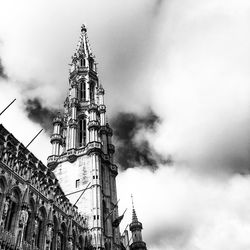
41, 227
55, 232
63, 237
80, 243
92, 92
12, 210
74, 240
91, 64
82, 62
82, 91
82, 132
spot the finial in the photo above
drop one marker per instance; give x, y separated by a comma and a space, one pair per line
132, 199
83, 28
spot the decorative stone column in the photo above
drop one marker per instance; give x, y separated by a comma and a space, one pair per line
56, 137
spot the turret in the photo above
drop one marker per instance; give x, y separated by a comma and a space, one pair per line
136, 228
56, 137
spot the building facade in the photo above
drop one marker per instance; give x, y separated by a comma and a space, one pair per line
34, 212
72, 202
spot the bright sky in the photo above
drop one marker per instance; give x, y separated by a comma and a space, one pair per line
188, 61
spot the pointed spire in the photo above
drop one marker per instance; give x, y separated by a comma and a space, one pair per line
135, 224
136, 227
134, 216
83, 46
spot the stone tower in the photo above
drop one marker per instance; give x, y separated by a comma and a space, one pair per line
82, 150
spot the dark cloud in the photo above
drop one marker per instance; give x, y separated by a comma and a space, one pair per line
2, 72
40, 114
131, 153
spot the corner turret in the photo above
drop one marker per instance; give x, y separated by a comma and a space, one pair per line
136, 227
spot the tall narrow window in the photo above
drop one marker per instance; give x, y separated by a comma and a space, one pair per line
82, 91
82, 132
40, 224
91, 64
63, 236
55, 235
12, 212
92, 92
77, 183
82, 62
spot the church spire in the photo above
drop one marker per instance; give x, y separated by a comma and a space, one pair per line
82, 148
83, 46
83, 57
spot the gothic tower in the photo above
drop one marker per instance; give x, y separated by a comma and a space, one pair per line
82, 150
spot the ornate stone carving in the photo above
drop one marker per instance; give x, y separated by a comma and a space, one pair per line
23, 218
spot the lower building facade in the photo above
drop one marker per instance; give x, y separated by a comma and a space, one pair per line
34, 211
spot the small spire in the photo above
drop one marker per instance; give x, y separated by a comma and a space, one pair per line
134, 216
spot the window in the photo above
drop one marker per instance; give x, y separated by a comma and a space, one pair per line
82, 132
39, 227
77, 183
11, 211
82, 62
91, 64
82, 91
92, 92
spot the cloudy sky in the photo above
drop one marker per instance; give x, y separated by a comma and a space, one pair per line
176, 75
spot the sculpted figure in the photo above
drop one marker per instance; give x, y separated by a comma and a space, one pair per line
35, 227
70, 244
5, 209
49, 234
58, 242
23, 218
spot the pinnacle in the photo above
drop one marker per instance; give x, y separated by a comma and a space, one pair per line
83, 46
83, 28
134, 216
